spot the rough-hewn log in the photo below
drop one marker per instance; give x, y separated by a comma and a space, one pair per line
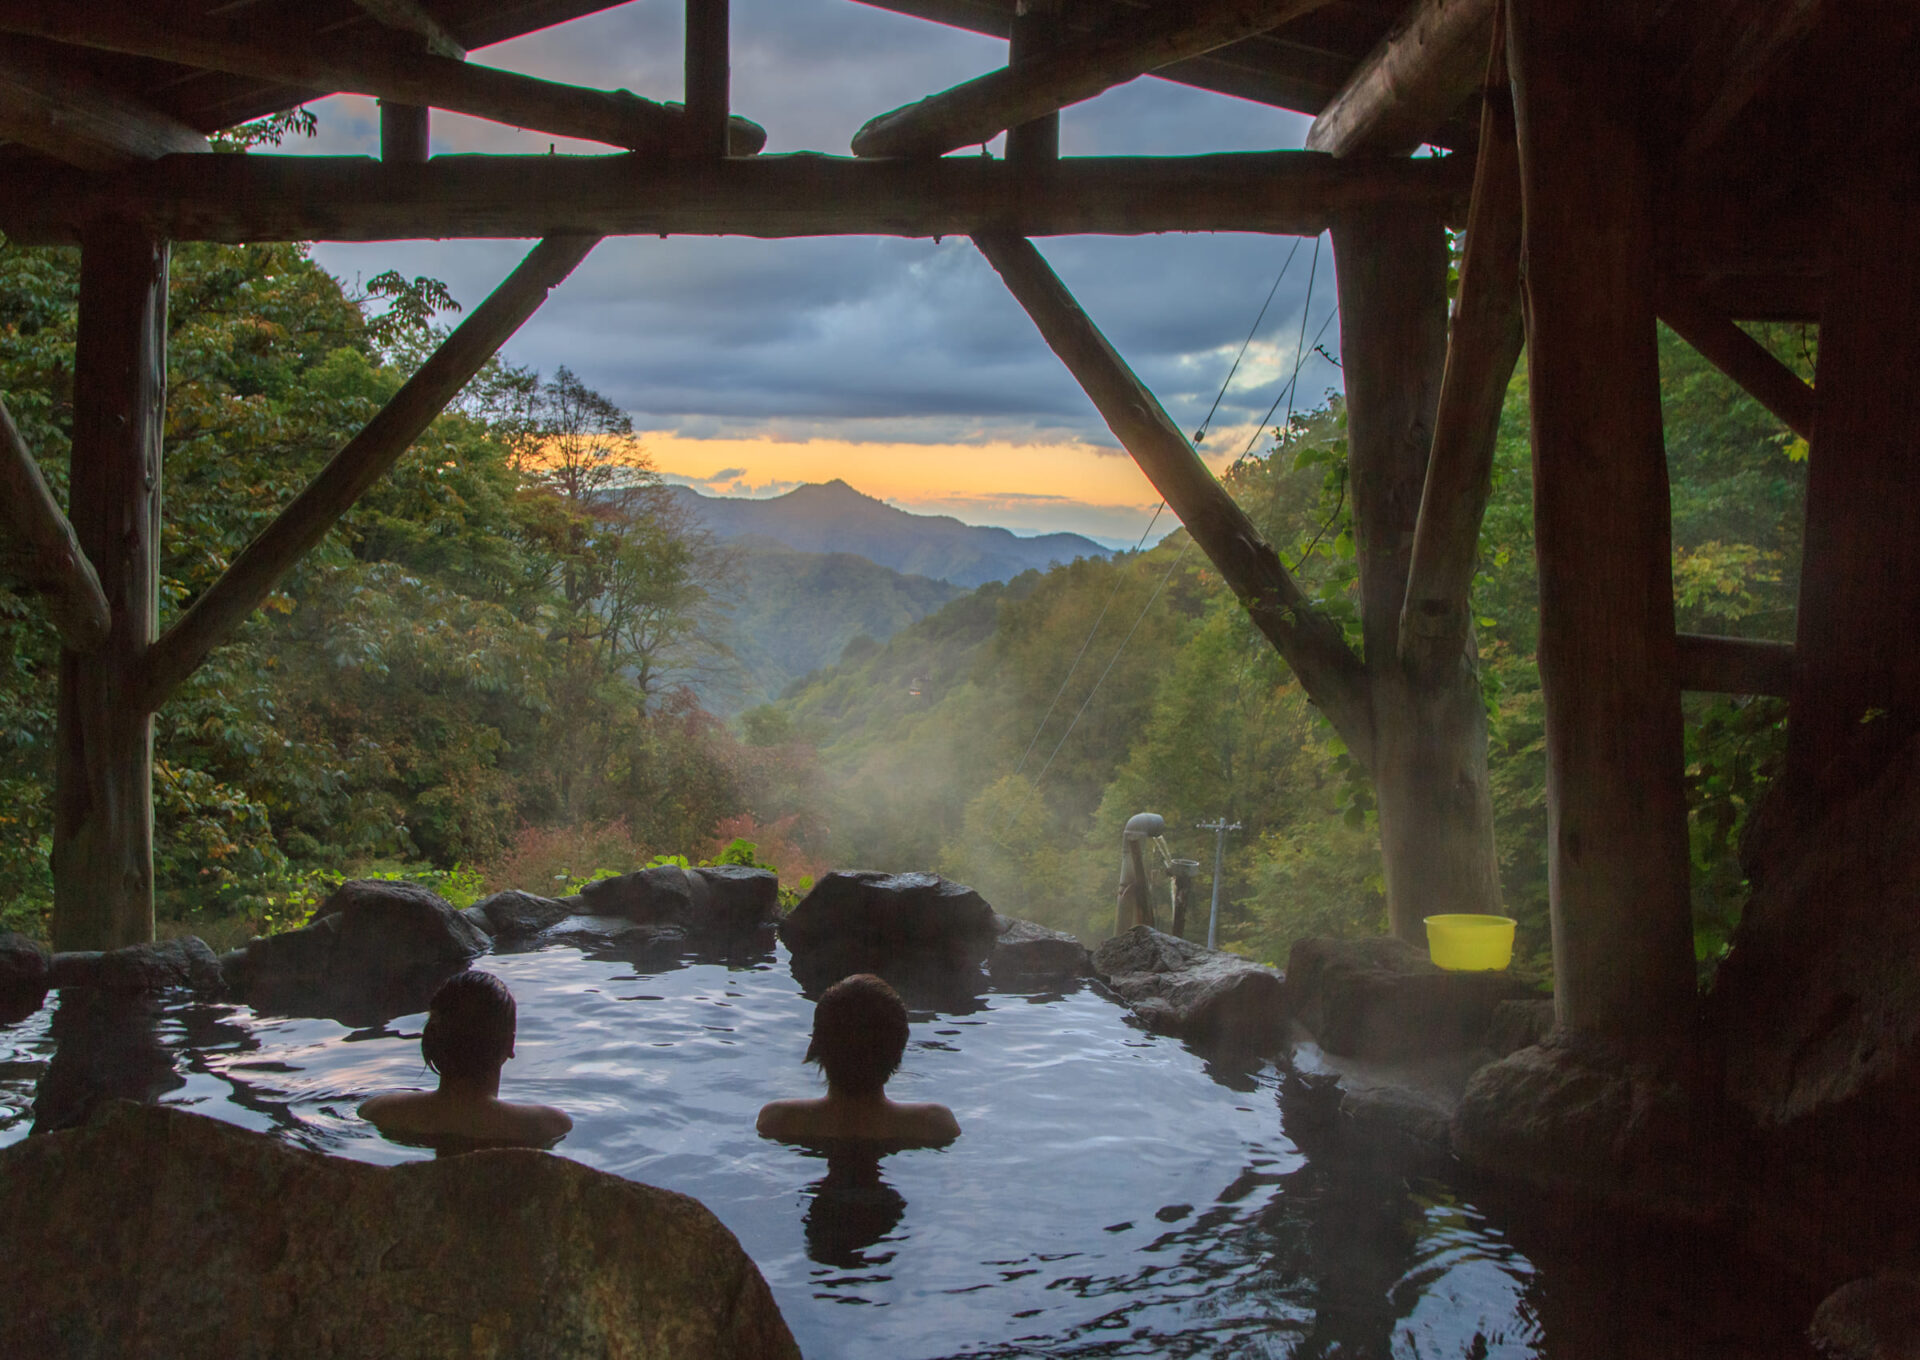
52, 104
1859, 649
1482, 348
313, 198
1742, 358
410, 17
707, 77
103, 772
1734, 48
1429, 762
1724, 665
253, 574
1616, 809
1309, 640
1418, 75
386, 71
406, 134
984, 107
1037, 30
40, 551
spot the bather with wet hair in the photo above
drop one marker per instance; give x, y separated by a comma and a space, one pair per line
859, 1036
467, 1040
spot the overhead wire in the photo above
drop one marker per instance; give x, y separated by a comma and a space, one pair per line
1201, 433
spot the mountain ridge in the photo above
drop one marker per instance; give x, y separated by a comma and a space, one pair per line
833, 517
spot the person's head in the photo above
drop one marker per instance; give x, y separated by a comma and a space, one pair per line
859, 1034
469, 1032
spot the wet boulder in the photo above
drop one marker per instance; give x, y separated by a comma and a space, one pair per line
25, 970
516, 915
1181, 988
154, 1231
1027, 953
160, 966
712, 899
1877, 1318
1380, 997
916, 929
374, 950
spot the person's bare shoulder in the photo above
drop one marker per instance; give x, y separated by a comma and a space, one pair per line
544, 1125
392, 1109
785, 1119
933, 1122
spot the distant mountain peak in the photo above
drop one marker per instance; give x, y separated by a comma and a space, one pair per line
833, 516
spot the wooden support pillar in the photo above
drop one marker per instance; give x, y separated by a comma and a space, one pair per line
1036, 31
1858, 679
405, 133
1429, 763
103, 782
707, 77
1616, 811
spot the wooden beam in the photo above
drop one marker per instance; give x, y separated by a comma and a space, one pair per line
984, 107
1725, 665
312, 198
406, 134
55, 105
1484, 344
1037, 30
1616, 806
40, 551
252, 575
410, 17
1858, 682
1742, 358
707, 77
1409, 85
103, 761
1734, 48
1311, 642
385, 71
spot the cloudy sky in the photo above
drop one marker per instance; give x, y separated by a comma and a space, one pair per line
902, 366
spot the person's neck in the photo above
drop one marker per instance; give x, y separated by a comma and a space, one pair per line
876, 1099
474, 1089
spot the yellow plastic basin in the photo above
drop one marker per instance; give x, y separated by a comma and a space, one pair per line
1470, 944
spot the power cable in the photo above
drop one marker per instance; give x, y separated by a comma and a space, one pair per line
1201, 433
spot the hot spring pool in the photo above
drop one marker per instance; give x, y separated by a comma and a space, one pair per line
1113, 1194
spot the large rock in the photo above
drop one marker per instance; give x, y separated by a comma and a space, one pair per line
1178, 987
1380, 997
1871, 1319
711, 899
516, 915
24, 969
375, 950
163, 965
917, 930
158, 1232
1024, 953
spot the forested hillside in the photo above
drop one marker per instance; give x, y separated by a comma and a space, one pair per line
986, 741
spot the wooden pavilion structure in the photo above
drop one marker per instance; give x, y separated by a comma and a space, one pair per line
1612, 162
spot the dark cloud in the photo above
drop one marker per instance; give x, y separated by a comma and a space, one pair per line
863, 337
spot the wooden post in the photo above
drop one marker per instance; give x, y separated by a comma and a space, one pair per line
707, 77
405, 133
1036, 31
1616, 811
1429, 762
103, 780
1858, 681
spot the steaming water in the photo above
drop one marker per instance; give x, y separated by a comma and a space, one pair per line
1112, 1194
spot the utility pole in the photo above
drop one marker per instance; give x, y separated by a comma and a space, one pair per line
1220, 829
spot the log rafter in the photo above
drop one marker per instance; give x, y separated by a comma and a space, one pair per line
1484, 344
1726, 665
313, 198
385, 70
983, 108
1311, 642
1417, 76
54, 105
41, 551
259, 567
